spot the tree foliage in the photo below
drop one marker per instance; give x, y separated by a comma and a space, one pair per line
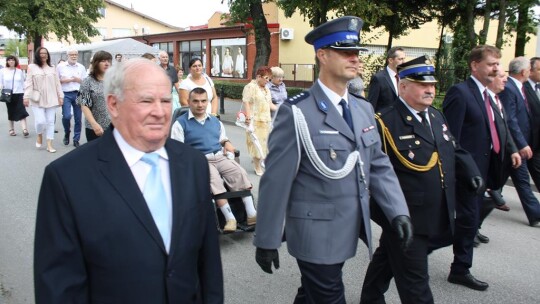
396, 17
37, 19
251, 12
16, 47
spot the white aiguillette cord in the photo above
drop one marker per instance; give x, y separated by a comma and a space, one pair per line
302, 129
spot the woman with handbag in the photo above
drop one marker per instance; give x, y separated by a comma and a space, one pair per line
12, 78
197, 79
257, 103
43, 92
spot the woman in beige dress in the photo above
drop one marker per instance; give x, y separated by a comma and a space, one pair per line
42, 78
257, 102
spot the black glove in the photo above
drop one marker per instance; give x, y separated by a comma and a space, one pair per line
403, 227
477, 185
265, 257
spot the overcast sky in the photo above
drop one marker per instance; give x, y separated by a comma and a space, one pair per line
180, 12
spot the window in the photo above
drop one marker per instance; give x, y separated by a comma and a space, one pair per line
190, 50
121, 32
102, 11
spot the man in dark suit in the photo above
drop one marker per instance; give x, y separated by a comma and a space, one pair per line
128, 218
476, 123
520, 117
427, 161
532, 92
318, 181
383, 86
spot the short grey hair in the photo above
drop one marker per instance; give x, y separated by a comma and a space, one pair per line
277, 71
518, 64
115, 77
72, 50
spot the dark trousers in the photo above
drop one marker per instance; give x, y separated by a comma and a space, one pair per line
69, 103
90, 134
320, 284
533, 165
409, 269
520, 178
468, 208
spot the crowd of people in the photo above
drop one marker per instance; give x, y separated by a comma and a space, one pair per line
330, 160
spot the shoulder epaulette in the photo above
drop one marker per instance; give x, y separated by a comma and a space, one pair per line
383, 111
297, 98
358, 96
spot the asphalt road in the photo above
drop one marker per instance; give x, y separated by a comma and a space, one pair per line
510, 262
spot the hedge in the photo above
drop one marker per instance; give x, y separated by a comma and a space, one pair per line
234, 90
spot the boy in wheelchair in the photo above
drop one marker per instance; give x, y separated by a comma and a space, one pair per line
207, 134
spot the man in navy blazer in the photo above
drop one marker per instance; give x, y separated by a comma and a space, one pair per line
383, 86
98, 238
477, 124
532, 91
520, 117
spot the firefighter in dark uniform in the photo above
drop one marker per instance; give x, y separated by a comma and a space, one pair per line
428, 163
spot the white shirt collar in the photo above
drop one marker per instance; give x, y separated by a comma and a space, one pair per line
518, 83
480, 86
333, 96
131, 154
414, 111
190, 116
532, 83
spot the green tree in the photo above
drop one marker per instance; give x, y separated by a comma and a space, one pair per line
16, 47
251, 12
396, 17
36, 19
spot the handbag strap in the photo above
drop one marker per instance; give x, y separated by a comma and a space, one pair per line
13, 80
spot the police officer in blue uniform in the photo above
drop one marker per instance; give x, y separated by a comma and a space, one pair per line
324, 161
428, 163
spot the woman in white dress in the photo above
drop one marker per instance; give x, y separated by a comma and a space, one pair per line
215, 63
239, 65
197, 78
227, 67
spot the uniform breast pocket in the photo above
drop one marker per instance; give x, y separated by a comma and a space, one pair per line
370, 138
407, 144
333, 150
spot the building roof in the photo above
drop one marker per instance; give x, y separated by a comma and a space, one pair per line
131, 10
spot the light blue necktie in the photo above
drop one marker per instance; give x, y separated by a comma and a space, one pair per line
154, 194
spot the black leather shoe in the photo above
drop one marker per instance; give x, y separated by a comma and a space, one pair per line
482, 238
467, 280
534, 223
66, 139
76, 143
476, 241
497, 197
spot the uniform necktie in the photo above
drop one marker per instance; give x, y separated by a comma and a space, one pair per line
425, 122
498, 102
525, 98
154, 194
537, 90
346, 113
492, 129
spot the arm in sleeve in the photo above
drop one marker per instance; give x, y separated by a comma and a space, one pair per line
210, 268
454, 108
59, 267
384, 185
374, 90
509, 101
177, 132
29, 83
276, 183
